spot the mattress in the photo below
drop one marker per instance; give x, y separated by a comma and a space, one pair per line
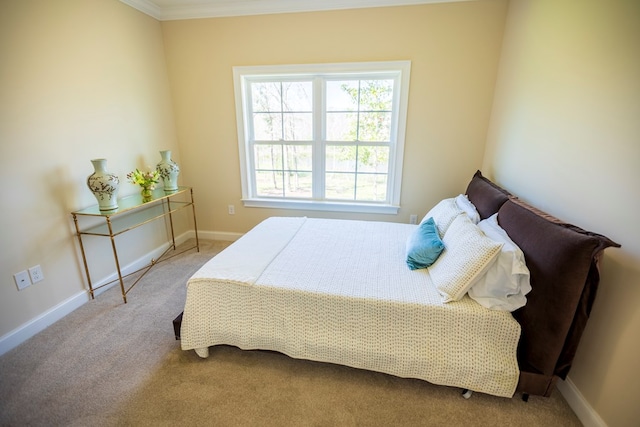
339, 291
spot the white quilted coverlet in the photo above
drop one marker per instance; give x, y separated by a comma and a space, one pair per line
339, 291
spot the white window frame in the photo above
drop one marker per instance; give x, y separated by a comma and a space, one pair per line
399, 70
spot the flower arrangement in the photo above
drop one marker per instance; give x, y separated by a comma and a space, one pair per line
147, 180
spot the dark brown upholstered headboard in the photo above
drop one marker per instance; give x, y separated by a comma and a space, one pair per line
486, 196
563, 262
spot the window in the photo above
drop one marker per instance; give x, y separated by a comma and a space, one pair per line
322, 137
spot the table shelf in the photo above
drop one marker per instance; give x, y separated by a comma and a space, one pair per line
132, 212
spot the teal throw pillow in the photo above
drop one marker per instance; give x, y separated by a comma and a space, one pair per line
424, 246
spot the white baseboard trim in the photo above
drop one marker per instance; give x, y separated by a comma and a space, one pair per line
217, 235
585, 412
133, 266
49, 317
22, 333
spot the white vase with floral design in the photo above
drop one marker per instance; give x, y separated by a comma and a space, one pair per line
169, 171
104, 185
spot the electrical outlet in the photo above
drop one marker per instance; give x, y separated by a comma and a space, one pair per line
22, 279
413, 219
36, 274
232, 210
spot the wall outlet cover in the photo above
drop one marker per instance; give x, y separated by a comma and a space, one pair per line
22, 279
36, 274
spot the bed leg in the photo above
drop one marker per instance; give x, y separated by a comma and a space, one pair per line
466, 393
525, 397
177, 324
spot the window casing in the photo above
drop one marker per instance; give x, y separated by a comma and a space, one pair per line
322, 137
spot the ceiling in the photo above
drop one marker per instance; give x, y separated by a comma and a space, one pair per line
166, 10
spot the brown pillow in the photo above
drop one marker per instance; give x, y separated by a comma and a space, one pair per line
485, 195
562, 259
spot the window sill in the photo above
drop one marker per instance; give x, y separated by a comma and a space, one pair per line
321, 206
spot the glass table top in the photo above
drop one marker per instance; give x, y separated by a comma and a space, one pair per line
131, 202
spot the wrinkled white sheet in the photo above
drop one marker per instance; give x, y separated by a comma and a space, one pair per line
339, 291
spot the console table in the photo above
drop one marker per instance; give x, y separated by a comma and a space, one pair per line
133, 212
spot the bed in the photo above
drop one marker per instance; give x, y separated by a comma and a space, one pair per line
348, 292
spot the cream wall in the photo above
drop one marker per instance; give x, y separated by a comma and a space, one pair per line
565, 135
454, 50
79, 80
84, 79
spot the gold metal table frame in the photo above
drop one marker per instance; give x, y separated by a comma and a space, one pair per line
133, 212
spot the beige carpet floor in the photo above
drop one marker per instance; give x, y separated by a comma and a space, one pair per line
115, 364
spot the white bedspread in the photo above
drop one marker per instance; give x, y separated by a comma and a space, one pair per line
339, 291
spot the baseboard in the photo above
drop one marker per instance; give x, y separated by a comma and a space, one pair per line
139, 263
49, 317
217, 235
585, 412
22, 333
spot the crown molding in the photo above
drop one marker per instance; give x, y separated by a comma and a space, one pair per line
145, 6
226, 8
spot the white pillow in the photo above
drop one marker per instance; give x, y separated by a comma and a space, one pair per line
467, 255
506, 282
467, 207
443, 214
